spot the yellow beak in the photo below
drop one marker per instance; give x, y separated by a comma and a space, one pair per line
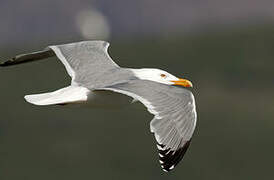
183, 82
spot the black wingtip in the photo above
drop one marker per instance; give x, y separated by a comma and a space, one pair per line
29, 57
169, 159
7, 63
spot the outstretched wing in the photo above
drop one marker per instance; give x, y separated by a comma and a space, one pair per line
175, 116
84, 61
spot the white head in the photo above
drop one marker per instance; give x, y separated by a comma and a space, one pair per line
160, 76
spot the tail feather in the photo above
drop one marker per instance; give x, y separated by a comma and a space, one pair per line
70, 94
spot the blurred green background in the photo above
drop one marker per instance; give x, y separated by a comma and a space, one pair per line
232, 72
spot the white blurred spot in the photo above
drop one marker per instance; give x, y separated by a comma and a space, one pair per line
92, 24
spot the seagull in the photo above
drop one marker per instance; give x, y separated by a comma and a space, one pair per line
96, 79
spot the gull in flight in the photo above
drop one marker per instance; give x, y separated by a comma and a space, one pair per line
97, 79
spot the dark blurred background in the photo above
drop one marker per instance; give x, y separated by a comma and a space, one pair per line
225, 47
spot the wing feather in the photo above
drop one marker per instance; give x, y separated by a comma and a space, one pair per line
85, 61
174, 116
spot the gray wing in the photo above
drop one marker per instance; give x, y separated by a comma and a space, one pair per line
175, 116
84, 61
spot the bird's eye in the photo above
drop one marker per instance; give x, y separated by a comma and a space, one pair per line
163, 75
